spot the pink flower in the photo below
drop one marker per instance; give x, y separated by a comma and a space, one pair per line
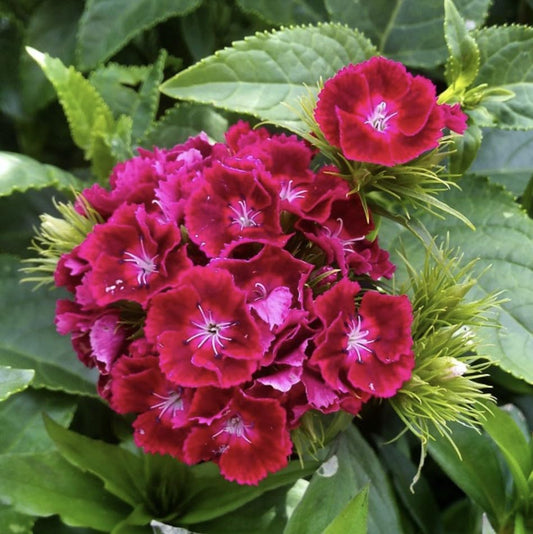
377, 112
246, 436
131, 256
204, 332
454, 118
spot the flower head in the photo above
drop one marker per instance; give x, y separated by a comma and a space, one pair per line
377, 112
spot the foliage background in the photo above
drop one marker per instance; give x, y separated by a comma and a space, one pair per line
54, 480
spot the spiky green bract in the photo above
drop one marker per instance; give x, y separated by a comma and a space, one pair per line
446, 385
387, 189
57, 236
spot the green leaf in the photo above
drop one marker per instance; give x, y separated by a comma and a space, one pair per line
14, 380
502, 244
120, 470
506, 64
43, 484
20, 173
351, 466
84, 108
514, 447
28, 339
145, 108
12, 522
210, 496
284, 12
353, 517
463, 63
466, 149
52, 29
505, 157
420, 503
116, 84
184, 121
21, 420
477, 471
410, 31
268, 513
266, 74
98, 40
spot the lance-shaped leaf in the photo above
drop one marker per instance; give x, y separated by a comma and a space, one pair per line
463, 63
353, 517
265, 75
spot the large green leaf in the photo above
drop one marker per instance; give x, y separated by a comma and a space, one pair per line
52, 28
107, 25
502, 243
14, 380
285, 12
21, 420
28, 339
183, 121
506, 63
506, 157
20, 173
266, 74
120, 470
477, 471
351, 466
44, 484
410, 31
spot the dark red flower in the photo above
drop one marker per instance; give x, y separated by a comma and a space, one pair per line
203, 331
248, 438
377, 112
367, 349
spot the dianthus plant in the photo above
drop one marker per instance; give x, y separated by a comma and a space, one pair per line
225, 290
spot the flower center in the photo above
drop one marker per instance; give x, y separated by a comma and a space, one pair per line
145, 264
357, 339
170, 403
289, 194
347, 244
244, 216
379, 118
210, 331
235, 426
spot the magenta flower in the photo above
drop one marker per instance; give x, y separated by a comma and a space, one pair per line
233, 207
369, 348
377, 112
204, 332
131, 256
247, 437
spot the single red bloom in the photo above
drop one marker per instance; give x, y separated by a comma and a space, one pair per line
131, 256
368, 349
248, 438
454, 118
377, 112
204, 332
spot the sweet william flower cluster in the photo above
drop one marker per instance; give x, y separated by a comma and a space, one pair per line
228, 288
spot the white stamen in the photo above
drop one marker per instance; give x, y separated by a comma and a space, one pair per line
144, 263
244, 217
235, 427
347, 244
210, 330
357, 339
378, 119
290, 194
172, 402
